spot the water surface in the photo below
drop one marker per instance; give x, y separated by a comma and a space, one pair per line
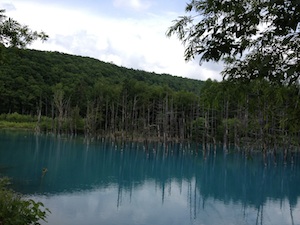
112, 183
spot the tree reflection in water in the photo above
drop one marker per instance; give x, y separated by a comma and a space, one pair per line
214, 185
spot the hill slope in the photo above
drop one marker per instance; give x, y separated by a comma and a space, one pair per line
54, 66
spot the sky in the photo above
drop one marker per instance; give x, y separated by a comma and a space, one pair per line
128, 33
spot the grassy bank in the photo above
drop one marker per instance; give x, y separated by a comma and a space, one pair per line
17, 121
45, 124
17, 125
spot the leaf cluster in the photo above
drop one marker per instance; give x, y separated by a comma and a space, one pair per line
13, 34
15, 209
262, 33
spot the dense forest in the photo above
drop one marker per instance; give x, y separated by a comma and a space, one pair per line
71, 94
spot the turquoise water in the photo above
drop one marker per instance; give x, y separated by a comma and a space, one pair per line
110, 183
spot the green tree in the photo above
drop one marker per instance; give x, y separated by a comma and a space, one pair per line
255, 38
13, 34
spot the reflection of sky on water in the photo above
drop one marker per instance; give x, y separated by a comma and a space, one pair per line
144, 205
141, 206
108, 183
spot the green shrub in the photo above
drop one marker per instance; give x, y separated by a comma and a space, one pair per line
3, 116
46, 123
15, 210
16, 117
15, 125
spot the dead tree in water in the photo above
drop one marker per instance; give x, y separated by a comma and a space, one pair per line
61, 105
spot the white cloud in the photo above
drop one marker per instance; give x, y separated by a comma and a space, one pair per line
133, 43
7, 6
134, 4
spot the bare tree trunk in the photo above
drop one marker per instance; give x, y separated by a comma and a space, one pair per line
106, 116
59, 104
52, 116
124, 111
112, 122
226, 131
165, 119
39, 115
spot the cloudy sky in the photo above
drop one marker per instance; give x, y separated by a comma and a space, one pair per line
129, 33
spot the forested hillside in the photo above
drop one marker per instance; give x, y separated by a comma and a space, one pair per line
106, 96
70, 94
32, 72
28, 76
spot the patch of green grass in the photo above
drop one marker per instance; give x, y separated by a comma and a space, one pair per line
17, 125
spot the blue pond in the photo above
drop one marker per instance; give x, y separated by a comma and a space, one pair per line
109, 183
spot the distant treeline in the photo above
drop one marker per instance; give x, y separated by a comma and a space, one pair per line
76, 94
